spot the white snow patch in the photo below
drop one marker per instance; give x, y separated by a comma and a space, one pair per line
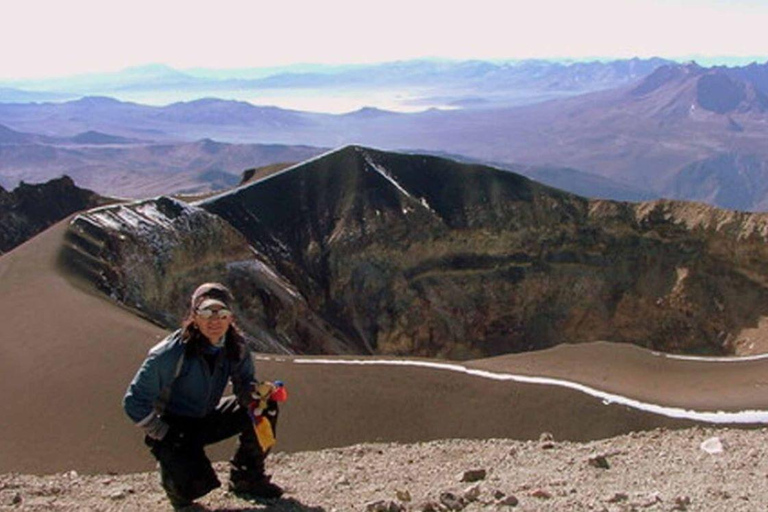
724, 359
381, 170
150, 211
131, 216
743, 417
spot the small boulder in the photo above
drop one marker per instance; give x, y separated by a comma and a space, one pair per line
618, 497
451, 501
474, 475
509, 501
541, 494
546, 441
384, 506
403, 495
599, 461
472, 493
118, 494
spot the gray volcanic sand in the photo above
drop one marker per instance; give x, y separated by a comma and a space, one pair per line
67, 354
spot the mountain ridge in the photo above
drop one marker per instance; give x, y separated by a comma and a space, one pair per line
416, 255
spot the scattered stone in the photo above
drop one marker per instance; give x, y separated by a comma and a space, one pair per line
118, 494
343, 480
712, 446
509, 501
403, 495
72, 474
451, 501
384, 506
534, 481
651, 501
474, 475
546, 441
722, 494
618, 497
599, 461
472, 493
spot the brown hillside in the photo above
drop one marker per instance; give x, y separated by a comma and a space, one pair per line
69, 354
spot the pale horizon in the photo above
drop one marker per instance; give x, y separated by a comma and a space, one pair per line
86, 36
703, 60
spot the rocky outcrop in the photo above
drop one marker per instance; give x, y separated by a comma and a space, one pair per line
29, 209
416, 255
423, 256
150, 255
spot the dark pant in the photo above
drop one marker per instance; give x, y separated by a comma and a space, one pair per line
186, 471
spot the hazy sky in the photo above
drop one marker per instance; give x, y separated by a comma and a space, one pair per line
51, 38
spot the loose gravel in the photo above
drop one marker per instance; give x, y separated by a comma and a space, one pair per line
698, 469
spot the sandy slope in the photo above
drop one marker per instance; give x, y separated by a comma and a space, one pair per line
65, 358
645, 375
67, 354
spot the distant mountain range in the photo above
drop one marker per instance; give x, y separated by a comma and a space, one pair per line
131, 168
467, 84
679, 131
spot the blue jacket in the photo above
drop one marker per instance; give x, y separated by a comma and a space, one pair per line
195, 392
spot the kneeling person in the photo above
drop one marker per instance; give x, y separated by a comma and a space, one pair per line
176, 397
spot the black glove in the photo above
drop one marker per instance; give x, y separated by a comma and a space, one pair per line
177, 439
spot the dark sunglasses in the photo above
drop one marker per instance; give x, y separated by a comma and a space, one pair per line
210, 313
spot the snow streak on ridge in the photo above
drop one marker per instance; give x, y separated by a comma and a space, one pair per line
376, 167
381, 170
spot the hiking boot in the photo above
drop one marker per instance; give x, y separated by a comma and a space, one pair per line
187, 506
261, 488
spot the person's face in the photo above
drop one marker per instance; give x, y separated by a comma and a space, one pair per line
213, 322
